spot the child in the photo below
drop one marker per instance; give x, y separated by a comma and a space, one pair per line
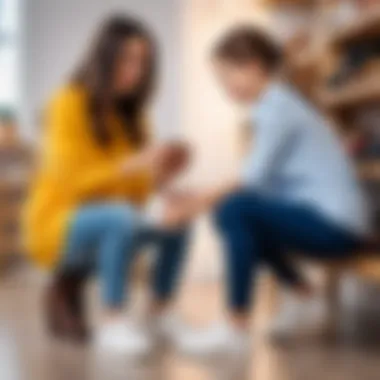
296, 190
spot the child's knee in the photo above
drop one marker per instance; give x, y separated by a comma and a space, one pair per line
231, 209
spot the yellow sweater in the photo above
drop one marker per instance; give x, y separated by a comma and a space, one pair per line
74, 170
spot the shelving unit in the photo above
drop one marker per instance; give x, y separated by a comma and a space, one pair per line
369, 170
366, 25
363, 88
296, 3
357, 92
309, 70
15, 169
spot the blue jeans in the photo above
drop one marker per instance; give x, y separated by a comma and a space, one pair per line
106, 238
257, 229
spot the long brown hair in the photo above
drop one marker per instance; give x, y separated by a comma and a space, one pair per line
95, 74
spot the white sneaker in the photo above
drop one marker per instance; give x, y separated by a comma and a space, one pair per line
299, 317
122, 337
165, 328
218, 339
169, 326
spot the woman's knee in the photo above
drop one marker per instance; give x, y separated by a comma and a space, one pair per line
120, 217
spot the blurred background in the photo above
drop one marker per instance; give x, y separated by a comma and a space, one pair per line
333, 58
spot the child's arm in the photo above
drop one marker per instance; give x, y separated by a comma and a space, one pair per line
265, 154
183, 211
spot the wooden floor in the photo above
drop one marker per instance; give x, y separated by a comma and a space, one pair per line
26, 353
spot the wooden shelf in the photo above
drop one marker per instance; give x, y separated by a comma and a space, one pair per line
312, 61
285, 3
304, 60
368, 267
366, 25
369, 170
356, 92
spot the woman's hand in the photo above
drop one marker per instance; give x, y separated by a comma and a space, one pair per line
174, 160
163, 161
147, 159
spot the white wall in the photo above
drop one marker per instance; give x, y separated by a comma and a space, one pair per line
211, 122
56, 35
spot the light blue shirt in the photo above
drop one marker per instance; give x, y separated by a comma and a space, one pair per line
295, 155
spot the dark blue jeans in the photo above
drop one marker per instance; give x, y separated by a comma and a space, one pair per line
258, 229
107, 237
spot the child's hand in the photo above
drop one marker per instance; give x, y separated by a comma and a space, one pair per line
178, 209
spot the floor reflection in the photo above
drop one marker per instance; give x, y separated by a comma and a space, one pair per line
26, 353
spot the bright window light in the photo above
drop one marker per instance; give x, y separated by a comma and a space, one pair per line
9, 53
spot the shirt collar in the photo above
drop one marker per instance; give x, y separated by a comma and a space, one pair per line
269, 95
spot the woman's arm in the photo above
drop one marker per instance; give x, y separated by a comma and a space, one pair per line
66, 151
174, 161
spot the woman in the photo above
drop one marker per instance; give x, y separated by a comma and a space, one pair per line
96, 172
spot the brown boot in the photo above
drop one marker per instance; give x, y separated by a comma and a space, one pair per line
64, 304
